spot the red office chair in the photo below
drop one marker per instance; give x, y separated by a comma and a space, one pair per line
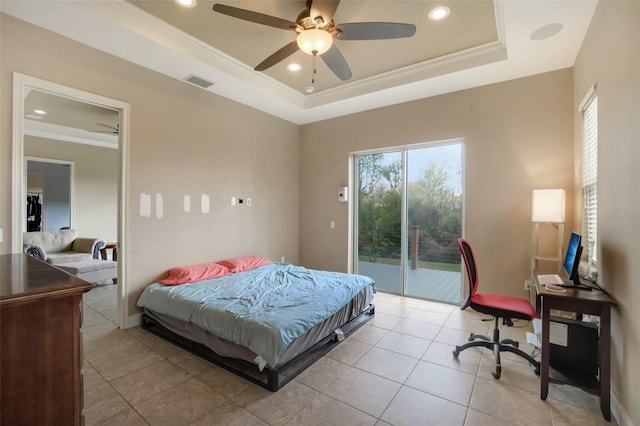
498, 306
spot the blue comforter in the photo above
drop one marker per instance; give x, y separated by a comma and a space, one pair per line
264, 309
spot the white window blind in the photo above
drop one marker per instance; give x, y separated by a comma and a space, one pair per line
590, 176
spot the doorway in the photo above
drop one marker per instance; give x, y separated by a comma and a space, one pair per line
91, 131
409, 217
49, 194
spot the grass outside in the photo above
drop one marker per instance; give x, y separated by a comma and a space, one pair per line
454, 267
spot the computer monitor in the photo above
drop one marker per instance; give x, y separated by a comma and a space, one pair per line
572, 258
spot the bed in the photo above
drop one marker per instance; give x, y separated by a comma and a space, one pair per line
266, 324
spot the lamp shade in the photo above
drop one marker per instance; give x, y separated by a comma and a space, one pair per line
314, 41
548, 205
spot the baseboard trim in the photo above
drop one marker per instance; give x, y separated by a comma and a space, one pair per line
134, 320
618, 412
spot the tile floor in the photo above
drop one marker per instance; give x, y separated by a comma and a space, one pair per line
396, 370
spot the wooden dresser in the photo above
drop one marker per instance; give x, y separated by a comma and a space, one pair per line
40, 343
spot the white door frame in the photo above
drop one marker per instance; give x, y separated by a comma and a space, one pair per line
21, 85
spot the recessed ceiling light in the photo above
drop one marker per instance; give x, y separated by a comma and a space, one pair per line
439, 13
186, 3
39, 111
294, 67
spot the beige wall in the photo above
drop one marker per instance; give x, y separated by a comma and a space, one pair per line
182, 141
610, 58
518, 137
96, 172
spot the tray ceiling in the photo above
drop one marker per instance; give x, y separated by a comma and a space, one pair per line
481, 42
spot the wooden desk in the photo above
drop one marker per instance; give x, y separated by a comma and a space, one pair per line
41, 356
594, 302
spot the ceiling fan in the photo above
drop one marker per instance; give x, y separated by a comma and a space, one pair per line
316, 30
112, 130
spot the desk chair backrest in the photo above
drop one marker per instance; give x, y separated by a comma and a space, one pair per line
472, 271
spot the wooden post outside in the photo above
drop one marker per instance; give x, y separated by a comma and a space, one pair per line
415, 236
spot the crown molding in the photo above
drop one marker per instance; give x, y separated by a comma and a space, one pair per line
155, 29
481, 55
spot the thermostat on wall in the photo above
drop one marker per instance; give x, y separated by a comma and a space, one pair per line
343, 194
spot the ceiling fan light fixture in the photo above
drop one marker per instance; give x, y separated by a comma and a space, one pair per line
439, 13
186, 3
314, 41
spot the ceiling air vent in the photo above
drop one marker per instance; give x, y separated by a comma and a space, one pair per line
200, 82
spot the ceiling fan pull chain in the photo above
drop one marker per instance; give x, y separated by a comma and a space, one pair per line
313, 76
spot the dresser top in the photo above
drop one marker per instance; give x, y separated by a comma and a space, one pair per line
23, 277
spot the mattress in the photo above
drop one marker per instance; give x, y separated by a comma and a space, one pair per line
299, 346
267, 315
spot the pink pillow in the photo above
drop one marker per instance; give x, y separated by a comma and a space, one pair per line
245, 263
193, 273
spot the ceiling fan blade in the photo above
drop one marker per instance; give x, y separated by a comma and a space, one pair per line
108, 126
258, 18
323, 8
281, 54
374, 31
336, 62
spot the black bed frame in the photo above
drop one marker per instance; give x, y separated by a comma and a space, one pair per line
269, 378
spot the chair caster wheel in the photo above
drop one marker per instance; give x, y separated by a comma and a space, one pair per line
471, 338
496, 374
537, 371
456, 353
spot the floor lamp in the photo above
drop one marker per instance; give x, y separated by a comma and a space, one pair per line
548, 206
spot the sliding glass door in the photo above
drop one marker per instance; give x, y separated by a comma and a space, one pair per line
379, 246
409, 217
434, 222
